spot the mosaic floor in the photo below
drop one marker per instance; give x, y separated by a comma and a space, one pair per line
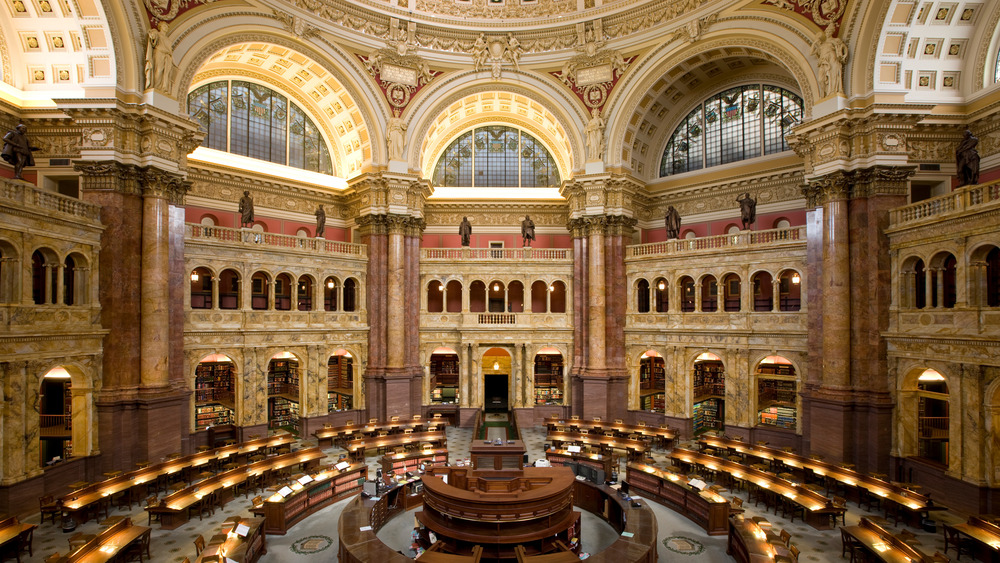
315, 539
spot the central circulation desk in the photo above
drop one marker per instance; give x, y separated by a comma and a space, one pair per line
309, 494
486, 454
706, 508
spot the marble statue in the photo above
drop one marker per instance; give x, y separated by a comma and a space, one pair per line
465, 231
967, 160
17, 149
480, 51
595, 135
396, 137
246, 209
831, 54
159, 58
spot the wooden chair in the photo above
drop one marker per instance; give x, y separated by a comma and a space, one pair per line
791, 557
48, 505
851, 545
257, 502
135, 550
839, 503
786, 537
737, 502
152, 502
199, 545
24, 541
955, 540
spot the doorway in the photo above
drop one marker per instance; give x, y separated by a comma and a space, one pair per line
496, 380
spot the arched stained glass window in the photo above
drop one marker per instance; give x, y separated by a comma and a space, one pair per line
740, 123
496, 156
252, 120
996, 69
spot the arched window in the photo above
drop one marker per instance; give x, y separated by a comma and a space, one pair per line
350, 297
283, 292
763, 292
789, 291
557, 297
229, 290
259, 298
740, 123
642, 296
932, 416
687, 294
201, 288
435, 297
454, 295
252, 120
330, 290
993, 278
731, 289
662, 296
515, 297
709, 294
496, 156
305, 293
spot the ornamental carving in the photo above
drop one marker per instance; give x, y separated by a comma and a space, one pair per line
295, 25
168, 10
593, 74
491, 218
823, 13
399, 74
496, 52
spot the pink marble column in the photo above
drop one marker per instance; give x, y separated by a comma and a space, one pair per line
596, 309
836, 291
155, 318
395, 314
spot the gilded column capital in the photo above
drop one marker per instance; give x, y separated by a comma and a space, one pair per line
882, 180
577, 227
415, 227
109, 175
620, 225
397, 224
372, 224
161, 184
824, 189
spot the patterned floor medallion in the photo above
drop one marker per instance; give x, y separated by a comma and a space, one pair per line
311, 544
683, 545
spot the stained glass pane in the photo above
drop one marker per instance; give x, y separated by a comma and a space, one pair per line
499, 156
240, 119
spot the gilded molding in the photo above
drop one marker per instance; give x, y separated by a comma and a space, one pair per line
109, 175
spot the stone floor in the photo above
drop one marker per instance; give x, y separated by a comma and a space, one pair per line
314, 540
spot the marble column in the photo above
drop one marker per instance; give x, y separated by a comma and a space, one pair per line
155, 323
395, 294
596, 306
836, 288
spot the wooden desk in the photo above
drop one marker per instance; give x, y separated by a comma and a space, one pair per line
327, 487
883, 545
242, 549
11, 529
706, 508
900, 497
486, 454
661, 435
817, 508
747, 542
108, 544
410, 461
356, 448
173, 509
341, 434
597, 461
80, 500
984, 533
634, 447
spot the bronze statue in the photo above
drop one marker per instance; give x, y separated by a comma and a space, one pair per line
246, 209
748, 209
17, 149
320, 221
673, 222
465, 231
527, 231
967, 160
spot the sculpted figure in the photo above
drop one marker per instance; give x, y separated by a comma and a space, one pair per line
513, 51
748, 209
480, 51
831, 54
595, 135
673, 223
465, 231
396, 135
967, 159
527, 231
246, 209
17, 149
159, 58
320, 221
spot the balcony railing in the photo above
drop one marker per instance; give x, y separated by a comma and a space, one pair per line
506, 254
55, 424
30, 196
958, 201
497, 318
744, 239
249, 238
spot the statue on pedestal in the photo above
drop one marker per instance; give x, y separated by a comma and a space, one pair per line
320, 221
396, 135
748, 209
673, 223
17, 149
465, 230
527, 231
967, 160
246, 209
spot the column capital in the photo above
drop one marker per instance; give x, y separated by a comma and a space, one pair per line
383, 193
882, 180
602, 194
109, 175
161, 184
824, 189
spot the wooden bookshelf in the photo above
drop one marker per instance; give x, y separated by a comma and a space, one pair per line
214, 389
777, 391
444, 378
549, 379
340, 384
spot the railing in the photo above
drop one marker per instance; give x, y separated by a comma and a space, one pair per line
932, 426
497, 318
55, 422
30, 196
467, 253
742, 239
246, 237
962, 199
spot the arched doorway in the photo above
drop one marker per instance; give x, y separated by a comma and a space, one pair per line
340, 381
652, 382
443, 370
496, 380
777, 393
932, 417
283, 392
549, 388
55, 408
709, 412
214, 391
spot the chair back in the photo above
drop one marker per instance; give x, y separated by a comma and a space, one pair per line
199, 544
